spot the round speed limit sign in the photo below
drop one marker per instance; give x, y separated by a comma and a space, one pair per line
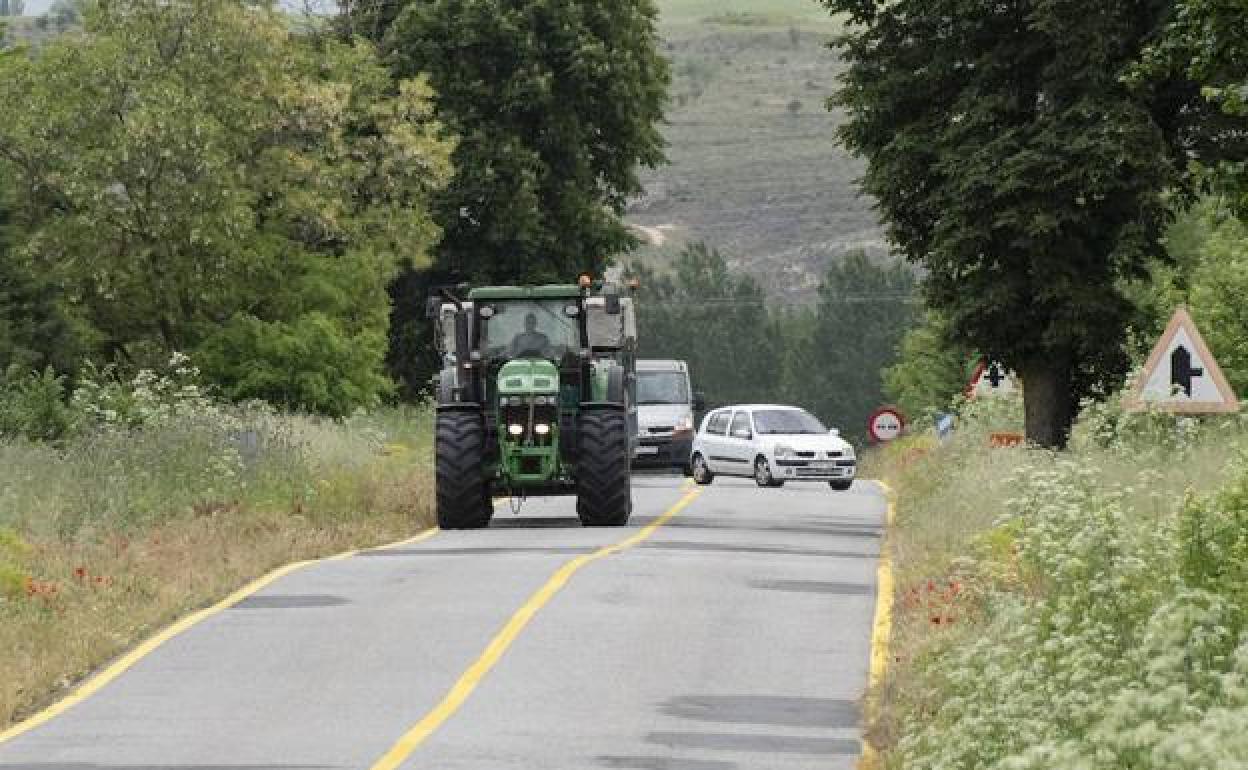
885, 424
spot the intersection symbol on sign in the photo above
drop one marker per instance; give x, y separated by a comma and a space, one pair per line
1181, 375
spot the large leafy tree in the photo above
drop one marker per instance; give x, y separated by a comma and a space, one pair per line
199, 179
556, 104
1010, 159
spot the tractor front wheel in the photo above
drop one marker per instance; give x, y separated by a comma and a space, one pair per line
462, 492
604, 495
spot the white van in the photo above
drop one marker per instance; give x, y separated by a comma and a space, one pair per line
666, 403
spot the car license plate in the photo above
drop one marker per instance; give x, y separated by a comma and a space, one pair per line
647, 450
822, 466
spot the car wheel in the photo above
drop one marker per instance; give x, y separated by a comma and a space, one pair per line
701, 473
762, 474
841, 486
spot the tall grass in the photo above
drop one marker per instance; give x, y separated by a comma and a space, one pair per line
115, 530
1058, 609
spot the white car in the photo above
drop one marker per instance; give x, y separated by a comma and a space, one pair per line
773, 444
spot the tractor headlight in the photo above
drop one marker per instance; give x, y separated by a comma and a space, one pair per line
515, 430
541, 429
784, 451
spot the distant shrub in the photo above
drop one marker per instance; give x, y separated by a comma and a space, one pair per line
33, 406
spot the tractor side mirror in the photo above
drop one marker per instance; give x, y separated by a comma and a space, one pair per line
433, 307
611, 295
699, 401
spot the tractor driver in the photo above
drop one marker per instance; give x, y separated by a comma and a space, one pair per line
530, 341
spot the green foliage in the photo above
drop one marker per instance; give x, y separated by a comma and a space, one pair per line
556, 104
1010, 160
308, 363
33, 405
715, 320
237, 176
1204, 43
35, 332
742, 347
930, 370
864, 309
1109, 630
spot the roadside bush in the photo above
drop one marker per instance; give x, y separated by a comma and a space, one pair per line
1104, 624
33, 406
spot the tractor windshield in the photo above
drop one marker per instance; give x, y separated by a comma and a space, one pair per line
528, 329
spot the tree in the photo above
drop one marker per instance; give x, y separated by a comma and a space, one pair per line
929, 370
556, 104
1205, 42
201, 180
35, 332
864, 309
1011, 161
718, 322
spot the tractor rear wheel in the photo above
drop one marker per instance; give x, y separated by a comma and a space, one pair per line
462, 493
604, 495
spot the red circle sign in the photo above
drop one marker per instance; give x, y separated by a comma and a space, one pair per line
885, 424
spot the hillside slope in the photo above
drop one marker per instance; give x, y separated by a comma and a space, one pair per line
755, 169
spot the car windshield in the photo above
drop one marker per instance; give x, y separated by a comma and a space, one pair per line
662, 388
786, 421
535, 328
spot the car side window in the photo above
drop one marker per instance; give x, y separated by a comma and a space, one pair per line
741, 422
718, 424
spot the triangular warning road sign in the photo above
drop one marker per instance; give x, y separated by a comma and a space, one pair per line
1181, 374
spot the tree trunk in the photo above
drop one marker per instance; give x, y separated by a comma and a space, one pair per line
1047, 400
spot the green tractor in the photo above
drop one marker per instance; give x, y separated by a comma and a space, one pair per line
535, 398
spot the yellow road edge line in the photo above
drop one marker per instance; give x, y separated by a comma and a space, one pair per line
472, 676
149, 645
881, 628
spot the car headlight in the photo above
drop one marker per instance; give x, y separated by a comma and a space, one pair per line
685, 424
785, 451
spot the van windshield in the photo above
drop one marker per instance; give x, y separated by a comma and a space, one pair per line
662, 388
786, 421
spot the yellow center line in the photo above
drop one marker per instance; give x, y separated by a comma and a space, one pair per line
881, 628
469, 680
148, 646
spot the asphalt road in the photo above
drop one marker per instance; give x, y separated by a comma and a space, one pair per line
736, 635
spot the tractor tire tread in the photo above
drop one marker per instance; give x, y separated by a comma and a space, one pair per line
603, 484
463, 499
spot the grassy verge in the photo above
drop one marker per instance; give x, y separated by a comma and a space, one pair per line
109, 535
1083, 609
